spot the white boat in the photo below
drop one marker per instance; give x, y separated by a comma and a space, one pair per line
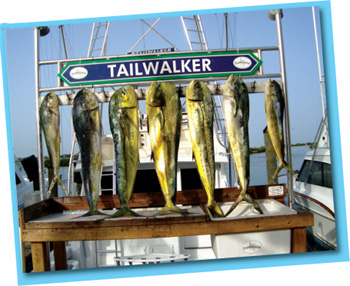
26, 194
313, 192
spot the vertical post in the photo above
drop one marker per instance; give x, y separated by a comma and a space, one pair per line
226, 30
299, 240
59, 248
277, 15
39, 131
40, 256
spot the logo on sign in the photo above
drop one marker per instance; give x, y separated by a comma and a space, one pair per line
251, 247
242, 62
78, 73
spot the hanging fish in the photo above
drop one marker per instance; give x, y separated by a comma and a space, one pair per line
236, 114
87, 126
274, 109
200, 122
164, 125
50, 121
124, 124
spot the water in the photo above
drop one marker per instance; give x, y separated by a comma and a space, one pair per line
258, 175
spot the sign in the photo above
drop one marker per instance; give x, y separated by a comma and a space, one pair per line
140, 68
154, 51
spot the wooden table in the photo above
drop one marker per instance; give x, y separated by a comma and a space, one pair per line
46, 222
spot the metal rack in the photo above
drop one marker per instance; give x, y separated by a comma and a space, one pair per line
216, 89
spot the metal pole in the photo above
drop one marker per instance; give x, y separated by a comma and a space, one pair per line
226, 30
39, 131
277, 16
64, 41
318, 62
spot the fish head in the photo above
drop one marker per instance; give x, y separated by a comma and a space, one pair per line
276, 88
51, 100
269, 87
195, 91
234, 87
125, 98
154, 95
86, 99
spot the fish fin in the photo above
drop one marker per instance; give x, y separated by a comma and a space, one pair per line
58, 180
161, 119
278, 169
289, 169
244, 197
235, 108
151, 156
124, 211
52, 184
168, 208
62, 185
235, 204
93, 212
215, 209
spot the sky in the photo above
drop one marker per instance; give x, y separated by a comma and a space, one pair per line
245, 29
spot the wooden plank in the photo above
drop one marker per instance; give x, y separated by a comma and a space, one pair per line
40, 256
77, 221
153, 229
156, 199
299, 240
40, 209
59, 248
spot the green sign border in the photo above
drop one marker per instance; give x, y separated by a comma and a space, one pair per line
159, 56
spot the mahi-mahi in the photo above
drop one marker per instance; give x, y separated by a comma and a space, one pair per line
50, 121
274, 109
236, 114
200, 122
124, 125
87, 126
164, 126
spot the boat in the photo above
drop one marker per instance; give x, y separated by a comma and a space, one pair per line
109, 253
313, 192
26, 181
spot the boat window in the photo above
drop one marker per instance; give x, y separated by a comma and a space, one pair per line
18, 181
320, 173
146, 182
190, 179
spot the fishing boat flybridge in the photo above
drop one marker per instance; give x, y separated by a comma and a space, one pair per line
180, 67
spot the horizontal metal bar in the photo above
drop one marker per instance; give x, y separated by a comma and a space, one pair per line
253, 49
215, 89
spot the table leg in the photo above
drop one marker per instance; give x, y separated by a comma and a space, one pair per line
40, 256
299, 240
59, 248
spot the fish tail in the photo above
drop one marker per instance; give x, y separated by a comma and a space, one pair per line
244, 197
58, 180
289, 169
62, 186
124, 211
278, 169
168, 208
215, 209
93, 212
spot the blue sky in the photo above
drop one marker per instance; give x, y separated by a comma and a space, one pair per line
246, 29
